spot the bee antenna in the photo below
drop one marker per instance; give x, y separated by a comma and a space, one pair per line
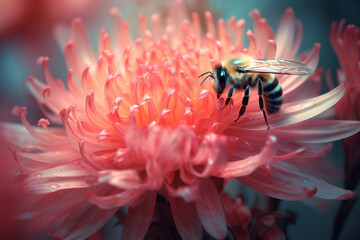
208, 72
210, 75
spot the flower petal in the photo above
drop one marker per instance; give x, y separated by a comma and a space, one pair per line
306, 132
84, 222
22, 136
318, 131
17, 134
286, 182
42, 186
303, 110
285, 34
246, 166
296, 111
130, 197
188, 192
290, 83
236, 212
138, 218
44, 210
273, 187
212, 154
186, 219
210, 210
124, 179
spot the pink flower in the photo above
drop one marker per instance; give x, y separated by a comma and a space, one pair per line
347, 47
267, 227
32, 16
238, 216
134, 122
346, 43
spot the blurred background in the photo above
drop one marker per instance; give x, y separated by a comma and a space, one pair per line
26, 33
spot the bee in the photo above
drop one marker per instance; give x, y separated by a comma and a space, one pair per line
245, 72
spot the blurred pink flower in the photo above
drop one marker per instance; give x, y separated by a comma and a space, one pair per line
135, 122
238, 216
346, 44
19, 17
267, 227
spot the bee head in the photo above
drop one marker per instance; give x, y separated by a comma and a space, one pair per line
221, 79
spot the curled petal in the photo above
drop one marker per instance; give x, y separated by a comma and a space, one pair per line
188, 193
169, 150
124, 179
246, 166
128, 197
36, 133
212, 154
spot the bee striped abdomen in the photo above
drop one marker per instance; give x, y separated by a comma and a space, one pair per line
273, 96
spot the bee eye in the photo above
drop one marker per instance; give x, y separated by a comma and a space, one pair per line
222, 78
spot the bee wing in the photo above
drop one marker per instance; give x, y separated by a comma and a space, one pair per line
278, 67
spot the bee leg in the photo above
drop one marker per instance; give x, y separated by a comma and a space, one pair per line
261, 102
230, 93
255, 82
244, 102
